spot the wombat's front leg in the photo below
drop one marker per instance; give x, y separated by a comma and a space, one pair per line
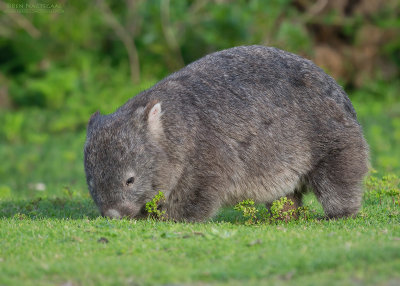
194, 205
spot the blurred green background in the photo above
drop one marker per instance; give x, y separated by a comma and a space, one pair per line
61, 62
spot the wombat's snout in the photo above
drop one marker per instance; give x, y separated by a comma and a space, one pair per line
118, 212
112, 213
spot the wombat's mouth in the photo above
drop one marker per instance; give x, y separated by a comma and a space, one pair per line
129, 213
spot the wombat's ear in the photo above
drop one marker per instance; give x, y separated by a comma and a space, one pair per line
153, 117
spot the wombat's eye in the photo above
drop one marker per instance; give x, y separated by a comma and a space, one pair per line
130, 181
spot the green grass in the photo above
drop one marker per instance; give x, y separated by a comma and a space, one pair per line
51, 232
50, 242
378, 110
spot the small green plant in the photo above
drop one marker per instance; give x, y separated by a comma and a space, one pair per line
153, 207
249, 211
387, 186
304, 212
393, 193
282, 210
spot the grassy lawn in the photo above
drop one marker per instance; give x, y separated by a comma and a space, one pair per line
51, 232
53, 241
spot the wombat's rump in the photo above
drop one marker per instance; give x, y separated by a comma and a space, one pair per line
249, 122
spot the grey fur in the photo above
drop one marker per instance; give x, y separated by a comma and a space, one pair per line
250, 122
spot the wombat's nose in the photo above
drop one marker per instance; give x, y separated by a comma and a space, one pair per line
112, 213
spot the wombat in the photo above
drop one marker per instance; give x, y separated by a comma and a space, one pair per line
250, 122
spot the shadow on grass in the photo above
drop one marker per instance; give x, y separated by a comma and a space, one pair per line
228, 214
70, 208
65, 208
59, 208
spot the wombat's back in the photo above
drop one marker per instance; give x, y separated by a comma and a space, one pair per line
254, 93
258, 71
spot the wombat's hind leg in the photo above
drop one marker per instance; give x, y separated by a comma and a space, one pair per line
336, 181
